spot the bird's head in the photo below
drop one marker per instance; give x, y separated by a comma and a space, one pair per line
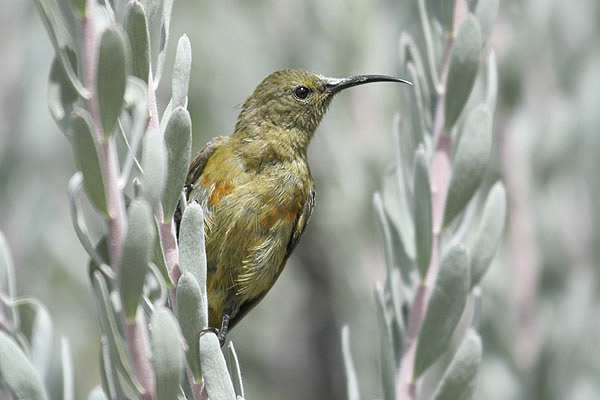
294, 101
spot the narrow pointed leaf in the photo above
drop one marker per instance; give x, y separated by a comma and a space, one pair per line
68, 381
214, 369
114, 352
47, 14
470, 161
444, 309
351, 377
139, 37
17, 373
460, 380
61, 93
108, 372
422, 212
165, 28
395, 292
87, 158
136, 255
492, 82
178, 137
36, 325
386, 352
486, 12
464, 63
181, 71
154, 163
384, 231
193, 317
233, 365
192, 257
489, 233
167, 354
443, 11
113, 65
158, 257
6, 268
415, 99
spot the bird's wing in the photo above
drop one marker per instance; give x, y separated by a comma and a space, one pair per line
199, 162
196, 168
299, 226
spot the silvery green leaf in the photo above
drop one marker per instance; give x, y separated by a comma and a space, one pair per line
7, 282
36, 325
136, 103
61, 93
158, 257
68, 381
492, 82
422, 212
415, 101
351, 378
214, 369
386, 351
181, 71
464, 63
489, 233
192, 257
193, 317
460, 380
178, 137
108, 372
17, 373
486, 12
233, 365
397, 208
444, 309
114, 351
384, 231
136, 256
166, 116
87, 158
113, 66
152, 8
139, 37
409, 52
73, 189
154, 163
470, 160
167, 354
165, 27
443, 11
48, 13
97, 394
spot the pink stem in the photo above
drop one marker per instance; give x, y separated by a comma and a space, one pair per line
117, 219
440, 179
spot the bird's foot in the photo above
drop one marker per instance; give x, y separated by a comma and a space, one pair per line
221, 333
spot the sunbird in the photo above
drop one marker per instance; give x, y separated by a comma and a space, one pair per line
256, 188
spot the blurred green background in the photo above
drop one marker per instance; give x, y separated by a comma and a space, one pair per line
541, 322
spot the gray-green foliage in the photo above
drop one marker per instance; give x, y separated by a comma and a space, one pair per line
432, 204
100, 97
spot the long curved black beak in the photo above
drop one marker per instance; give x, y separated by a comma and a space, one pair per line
335, 85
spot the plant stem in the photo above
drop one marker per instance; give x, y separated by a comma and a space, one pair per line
440, 178
136, 334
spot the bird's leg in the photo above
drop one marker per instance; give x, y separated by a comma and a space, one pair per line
221, 333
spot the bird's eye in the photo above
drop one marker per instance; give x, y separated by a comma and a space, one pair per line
302, 92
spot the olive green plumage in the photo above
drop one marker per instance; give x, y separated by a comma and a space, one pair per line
256, 188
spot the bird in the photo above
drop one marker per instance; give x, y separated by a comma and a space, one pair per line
256, 188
